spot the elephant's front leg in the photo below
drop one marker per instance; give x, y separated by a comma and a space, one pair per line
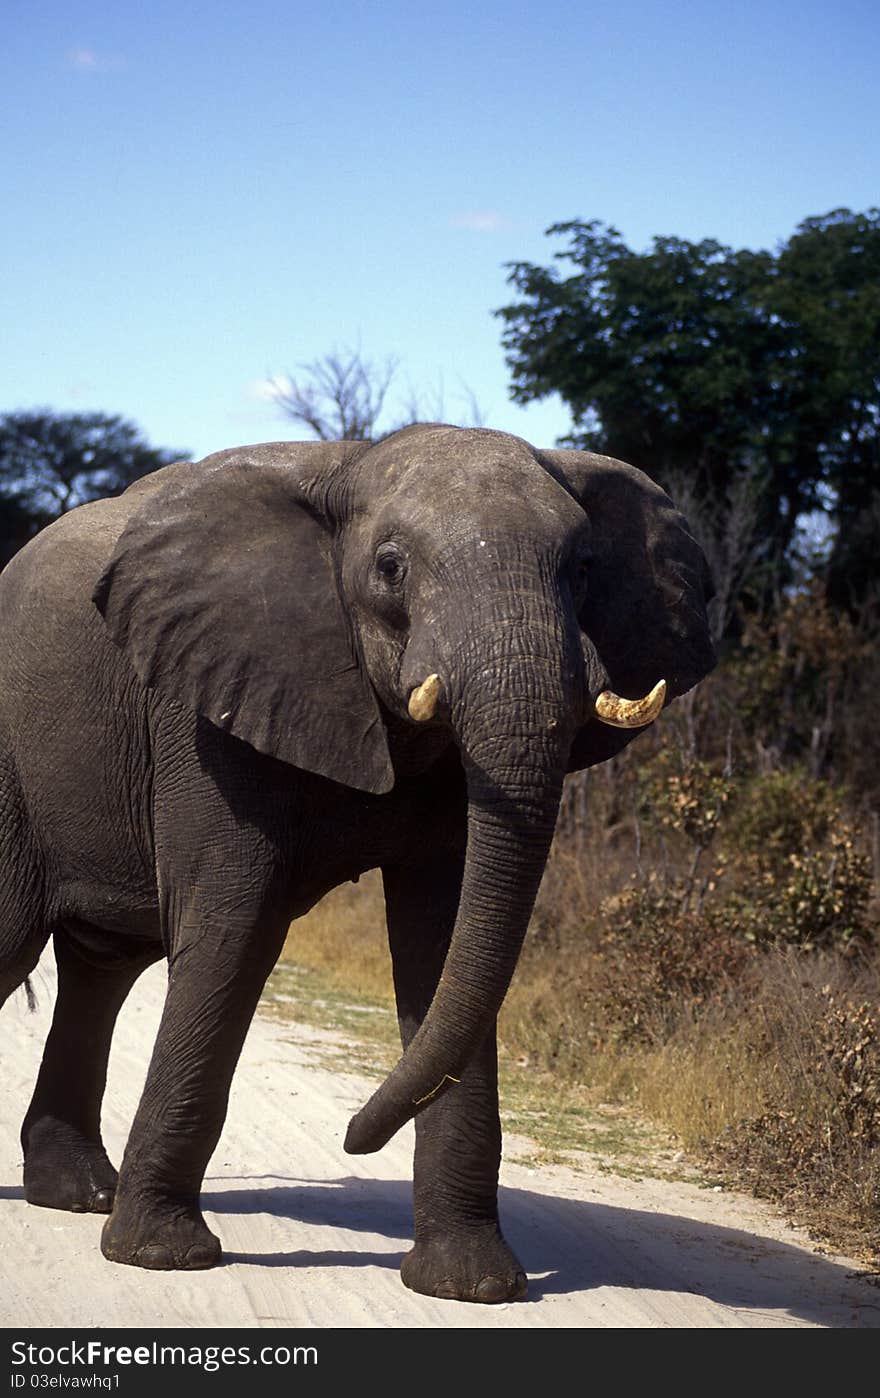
219, 965
459, 1251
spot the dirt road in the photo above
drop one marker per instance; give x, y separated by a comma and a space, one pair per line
313, 1237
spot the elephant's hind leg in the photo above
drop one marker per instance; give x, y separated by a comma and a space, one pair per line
23, 928
65, 1163
19, 953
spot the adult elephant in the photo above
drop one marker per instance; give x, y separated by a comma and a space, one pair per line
249, 679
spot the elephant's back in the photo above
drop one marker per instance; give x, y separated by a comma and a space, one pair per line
47, 585
68, 554
49, 628
72, 711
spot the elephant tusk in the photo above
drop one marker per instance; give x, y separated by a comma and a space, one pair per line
423, 700
630, 713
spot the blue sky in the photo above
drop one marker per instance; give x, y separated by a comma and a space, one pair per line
198, 194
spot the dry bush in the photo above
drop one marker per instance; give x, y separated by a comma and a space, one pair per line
706, 946
857, 733
658, 962
791, 679
641, 964
817, 899
799, 873
778, 813
812, 1136
592, 854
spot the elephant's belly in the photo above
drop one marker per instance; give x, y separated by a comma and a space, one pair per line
113, 910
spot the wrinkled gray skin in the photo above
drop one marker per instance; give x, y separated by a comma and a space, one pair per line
204, 727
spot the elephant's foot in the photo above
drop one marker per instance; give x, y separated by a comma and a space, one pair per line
173, 1239
464, 1267
65, 1170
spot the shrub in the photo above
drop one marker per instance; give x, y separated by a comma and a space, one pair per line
815, 899
688, 797
658, 961
815, 1141
791, 675
780, 813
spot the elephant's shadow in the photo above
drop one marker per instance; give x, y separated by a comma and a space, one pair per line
569, 1246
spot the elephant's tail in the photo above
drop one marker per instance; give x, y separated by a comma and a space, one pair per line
30, 993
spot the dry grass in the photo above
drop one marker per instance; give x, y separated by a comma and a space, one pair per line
698, 1086
343, 938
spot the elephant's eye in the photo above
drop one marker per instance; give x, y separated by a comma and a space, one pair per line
391, 565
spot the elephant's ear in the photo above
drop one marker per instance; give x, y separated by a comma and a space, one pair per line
649, 583
223, 593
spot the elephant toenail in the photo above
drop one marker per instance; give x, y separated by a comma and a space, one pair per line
201, 1255
491, 1290
102, 1201
157, 1257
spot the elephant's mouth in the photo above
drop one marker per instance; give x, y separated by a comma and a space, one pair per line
610, 708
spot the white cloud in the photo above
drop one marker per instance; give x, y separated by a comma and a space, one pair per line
86, 60
81, 389
264, 389
480, 221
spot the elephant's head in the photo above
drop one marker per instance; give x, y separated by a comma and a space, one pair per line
319, 600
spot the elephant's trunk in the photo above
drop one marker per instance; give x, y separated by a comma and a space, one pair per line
514, 729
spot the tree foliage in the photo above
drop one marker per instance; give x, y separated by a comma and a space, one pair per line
827, 294
51, 462
716, 366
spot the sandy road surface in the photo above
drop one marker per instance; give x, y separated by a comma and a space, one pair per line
313, 1237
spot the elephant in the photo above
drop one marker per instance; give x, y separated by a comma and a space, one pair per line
248, 679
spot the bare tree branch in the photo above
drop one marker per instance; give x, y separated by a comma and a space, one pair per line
341, 396
727, 531
338, 397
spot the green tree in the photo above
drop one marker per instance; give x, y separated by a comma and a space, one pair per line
713, 366
50, 462
16, 527
827, 295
